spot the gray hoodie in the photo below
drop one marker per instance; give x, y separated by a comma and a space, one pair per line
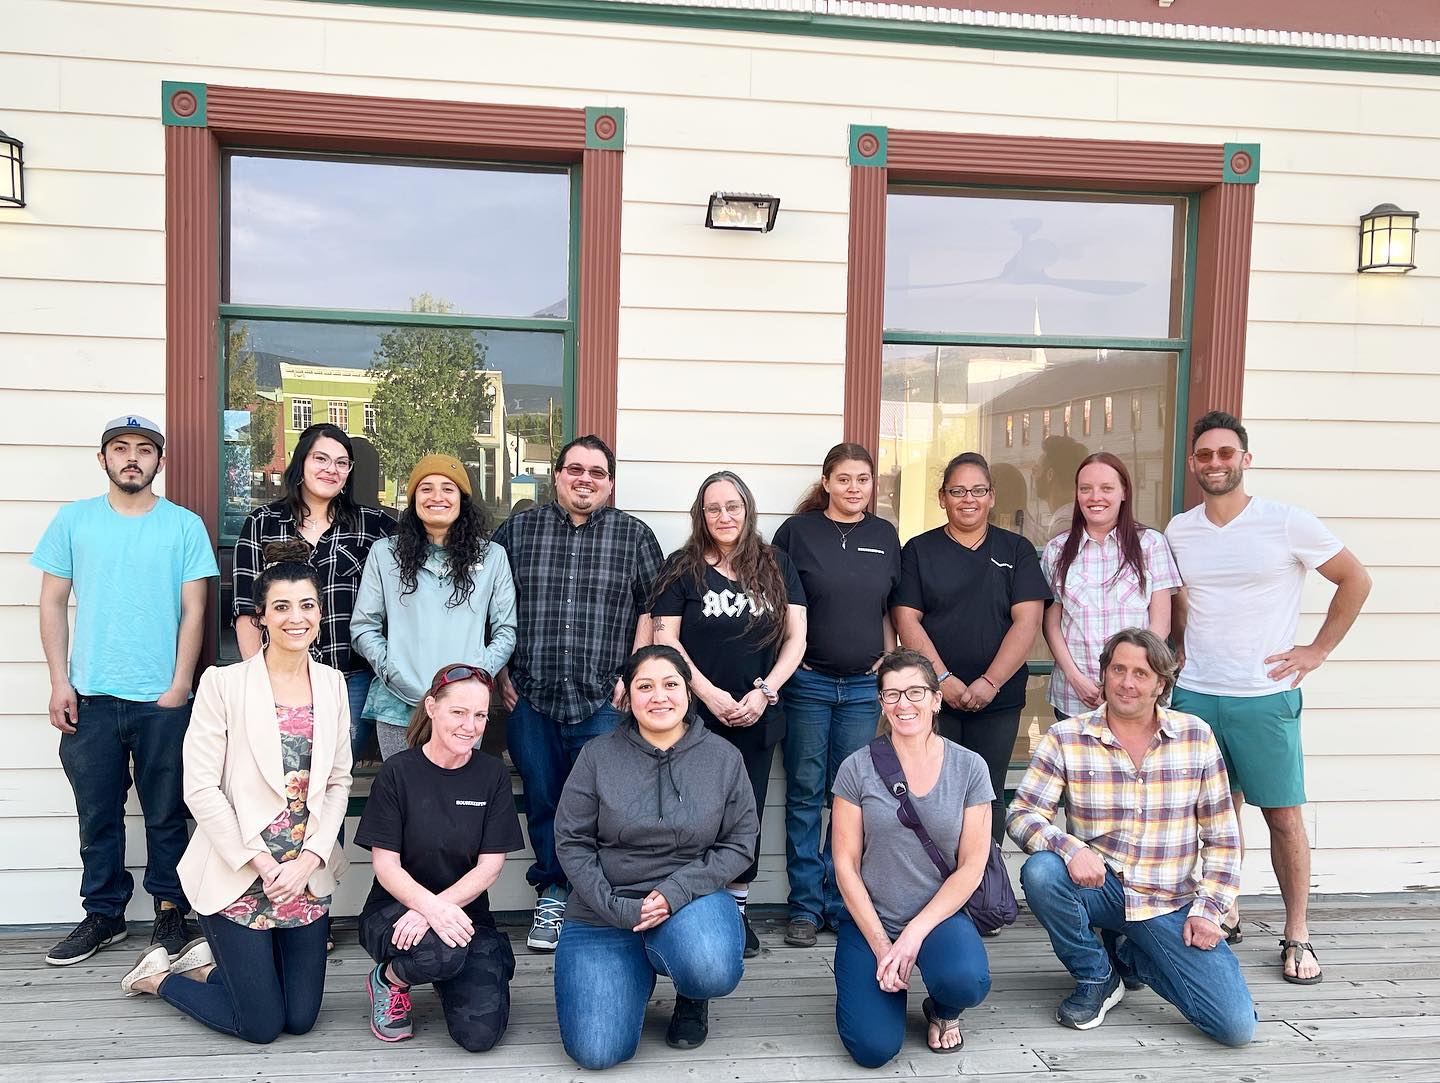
633, 819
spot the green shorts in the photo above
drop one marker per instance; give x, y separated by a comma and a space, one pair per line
1259, 736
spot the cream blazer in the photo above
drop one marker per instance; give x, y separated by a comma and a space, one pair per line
235, 787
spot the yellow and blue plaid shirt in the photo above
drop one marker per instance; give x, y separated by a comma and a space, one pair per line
1167, 828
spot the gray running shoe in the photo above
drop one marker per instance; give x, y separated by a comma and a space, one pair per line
549, 919
389, 1008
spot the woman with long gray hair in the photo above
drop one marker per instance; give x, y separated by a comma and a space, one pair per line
734, 606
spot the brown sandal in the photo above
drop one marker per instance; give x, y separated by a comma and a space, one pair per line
946, 1026
1298, 946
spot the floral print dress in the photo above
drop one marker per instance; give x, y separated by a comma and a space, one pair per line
286, 833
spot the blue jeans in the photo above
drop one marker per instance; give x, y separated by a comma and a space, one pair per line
827, 719
604, 976
543, 751
265, 981
357, 685
109, 734
1206, 986
871, 1021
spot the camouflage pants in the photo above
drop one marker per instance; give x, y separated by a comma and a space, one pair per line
473, 981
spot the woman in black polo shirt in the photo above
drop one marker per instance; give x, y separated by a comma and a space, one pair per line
734, 607
848, 561
971, 597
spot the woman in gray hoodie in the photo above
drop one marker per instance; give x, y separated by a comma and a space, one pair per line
656, 818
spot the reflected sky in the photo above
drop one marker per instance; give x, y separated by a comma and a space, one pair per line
366, 234
1002, 264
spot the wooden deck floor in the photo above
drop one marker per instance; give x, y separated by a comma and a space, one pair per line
1376, 1017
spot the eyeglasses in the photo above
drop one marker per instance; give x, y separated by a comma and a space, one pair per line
959, 492
1224, 454
597, 473
915, 694
733, 509
455, 674
324, 462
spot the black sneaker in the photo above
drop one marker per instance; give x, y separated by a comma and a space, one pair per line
752, 942
172, 930
690, 1025
1112, 948
800, 933
95, 932
1085, 1008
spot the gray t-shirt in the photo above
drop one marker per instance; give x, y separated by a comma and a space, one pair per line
898, 874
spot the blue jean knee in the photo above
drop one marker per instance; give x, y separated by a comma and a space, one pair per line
701, 947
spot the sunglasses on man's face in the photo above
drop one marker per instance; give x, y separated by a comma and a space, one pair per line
1224, 454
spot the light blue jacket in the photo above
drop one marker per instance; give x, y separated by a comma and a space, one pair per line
406, 639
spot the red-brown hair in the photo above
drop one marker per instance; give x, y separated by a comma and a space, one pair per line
816, 498
1127, 530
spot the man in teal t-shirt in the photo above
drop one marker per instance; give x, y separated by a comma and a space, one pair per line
120, 692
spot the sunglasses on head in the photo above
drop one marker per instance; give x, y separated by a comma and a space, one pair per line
455, 674
1224, 454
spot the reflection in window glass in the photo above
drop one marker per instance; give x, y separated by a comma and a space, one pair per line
998, 263
358, 233
937, 401
493, 399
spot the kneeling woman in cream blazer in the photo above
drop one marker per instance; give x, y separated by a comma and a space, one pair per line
267, 778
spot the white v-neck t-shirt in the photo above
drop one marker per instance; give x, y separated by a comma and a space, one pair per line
1243, 582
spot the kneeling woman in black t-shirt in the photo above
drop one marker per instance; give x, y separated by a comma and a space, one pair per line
970, 598
439, 822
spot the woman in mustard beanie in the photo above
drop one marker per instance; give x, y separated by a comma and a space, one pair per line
428, 596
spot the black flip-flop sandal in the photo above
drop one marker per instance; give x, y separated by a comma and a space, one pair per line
1298, 946
1233, 933
945, 1025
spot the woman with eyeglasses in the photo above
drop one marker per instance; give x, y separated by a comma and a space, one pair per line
318, 507
1108, 572
267, 777
970, 599
440, 588
656, 818
848, 561
734, 607
902, 911
438, 824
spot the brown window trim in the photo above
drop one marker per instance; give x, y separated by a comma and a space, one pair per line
201, 120
1223, 175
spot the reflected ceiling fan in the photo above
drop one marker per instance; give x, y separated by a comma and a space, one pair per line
1030, 266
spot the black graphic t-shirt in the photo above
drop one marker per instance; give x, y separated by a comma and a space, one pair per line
716, 632
965, 597
440, 820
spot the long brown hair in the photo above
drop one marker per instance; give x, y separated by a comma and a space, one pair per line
816, 498
752, 560
418, 732
1127, 530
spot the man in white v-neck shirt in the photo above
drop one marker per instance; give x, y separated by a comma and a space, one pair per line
1243, 560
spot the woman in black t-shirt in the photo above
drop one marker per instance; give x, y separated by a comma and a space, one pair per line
971, 598
848, 561
439, 822
734, 607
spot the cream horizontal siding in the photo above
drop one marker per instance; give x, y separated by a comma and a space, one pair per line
732, 345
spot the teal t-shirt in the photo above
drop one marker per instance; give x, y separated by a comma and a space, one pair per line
127, 571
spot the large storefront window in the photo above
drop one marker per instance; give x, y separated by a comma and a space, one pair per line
419, 306
1035, 328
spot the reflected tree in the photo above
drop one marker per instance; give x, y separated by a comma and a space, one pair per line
243, 393
430, 391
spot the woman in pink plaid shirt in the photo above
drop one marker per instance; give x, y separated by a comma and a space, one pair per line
1107, 572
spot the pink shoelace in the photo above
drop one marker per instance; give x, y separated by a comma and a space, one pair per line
399, 1004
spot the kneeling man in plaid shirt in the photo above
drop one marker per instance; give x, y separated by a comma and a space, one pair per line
1151, 856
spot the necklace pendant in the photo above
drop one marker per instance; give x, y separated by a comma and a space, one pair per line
844, 542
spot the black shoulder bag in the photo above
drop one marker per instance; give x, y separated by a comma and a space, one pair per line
992, 905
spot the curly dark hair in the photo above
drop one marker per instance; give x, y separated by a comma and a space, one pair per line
752, 560
465, 545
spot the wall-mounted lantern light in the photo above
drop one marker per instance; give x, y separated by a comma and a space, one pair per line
742, 210
12, 171
1387, 240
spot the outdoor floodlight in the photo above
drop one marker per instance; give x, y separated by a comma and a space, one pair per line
742, 210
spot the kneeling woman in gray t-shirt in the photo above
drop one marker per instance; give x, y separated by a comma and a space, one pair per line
902, 912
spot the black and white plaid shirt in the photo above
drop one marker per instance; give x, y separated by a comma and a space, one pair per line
579, 593
339, 558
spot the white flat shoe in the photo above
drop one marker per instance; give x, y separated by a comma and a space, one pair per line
193, 956
153, 960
